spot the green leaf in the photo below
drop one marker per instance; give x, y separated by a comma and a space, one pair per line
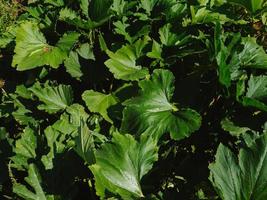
204, 16
153, 112
253, 55
169, 38
123, 63
3, 133
55, 2
102, 42
257, 87
25, 149
254, 103
250, 5
67, 133
22, 91
55, 98
71, 17
244, 177
121, 29
35, 182
234, 130
225, 174
120, 165
178, 10
84, 4
85, 143
223, 52
99, 10
234, 54
156, 51
32, 50
255, 95
23, 116
148, 5
99, 103
73, 66
86, 51
119, 7
56, 144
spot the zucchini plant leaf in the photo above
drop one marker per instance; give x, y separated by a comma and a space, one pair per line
123, 63
152, 110
73, 66
99, 102
35, 182
244, 177
121, 164
55, 98
32, 49
24, 149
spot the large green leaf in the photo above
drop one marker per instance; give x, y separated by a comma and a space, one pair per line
35, 182
32, 49
153, 111
123, 63
99, 102
120, 165
55, 98
242, 178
